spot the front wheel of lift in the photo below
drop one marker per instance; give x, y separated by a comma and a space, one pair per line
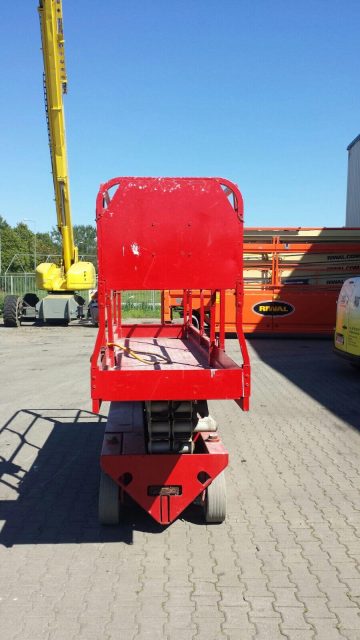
215, 500
109, 500
13, 306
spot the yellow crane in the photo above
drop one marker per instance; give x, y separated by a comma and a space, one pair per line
72, 275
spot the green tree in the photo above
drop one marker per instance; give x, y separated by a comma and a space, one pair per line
84, 238
19, 246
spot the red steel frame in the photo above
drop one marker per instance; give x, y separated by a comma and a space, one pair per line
201, 248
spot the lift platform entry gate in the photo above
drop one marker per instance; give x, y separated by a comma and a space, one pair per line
161, 446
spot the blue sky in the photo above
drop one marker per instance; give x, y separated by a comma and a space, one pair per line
263, 92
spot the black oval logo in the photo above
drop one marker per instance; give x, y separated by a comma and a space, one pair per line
273, 308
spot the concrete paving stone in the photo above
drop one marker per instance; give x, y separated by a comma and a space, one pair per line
340, 597
176, 595
180, 617
93, 633
210, 630
268, 629
327, 629
278, 579
286, 543
310, 548
297, 491
263, 536
120, 614
353, 587
237, 619
293, 618
229, 579
346, 533
203, 587
207, 612
226, 564
251, 571
272, 561
349, 617
35, 627
178, 581
10, 629
285, 597
316, 608
233, 634
115, 632
300, 634
152, 608
59, 634
329, 579
320, 562
338, 555
347, 570
233, 597
151, 628
212, 600
257, 587
292, 555
352, 548
174, 633
262, 607
206, 572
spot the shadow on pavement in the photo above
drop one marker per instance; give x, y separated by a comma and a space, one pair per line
50, 481
312, 365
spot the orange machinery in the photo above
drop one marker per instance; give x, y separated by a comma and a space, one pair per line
292, 280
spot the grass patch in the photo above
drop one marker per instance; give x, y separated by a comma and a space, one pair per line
140, 313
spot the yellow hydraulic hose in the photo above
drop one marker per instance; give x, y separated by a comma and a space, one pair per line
133, 354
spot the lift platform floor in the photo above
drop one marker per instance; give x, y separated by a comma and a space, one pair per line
161, 353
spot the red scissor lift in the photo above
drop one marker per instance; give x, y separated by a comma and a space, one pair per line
161, 446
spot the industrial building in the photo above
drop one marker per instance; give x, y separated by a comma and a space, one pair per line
353, 184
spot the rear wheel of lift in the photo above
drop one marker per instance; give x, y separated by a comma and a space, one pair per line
109, 500
215, 500
12, 311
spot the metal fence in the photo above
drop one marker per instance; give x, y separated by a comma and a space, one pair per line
20, 283
142, 300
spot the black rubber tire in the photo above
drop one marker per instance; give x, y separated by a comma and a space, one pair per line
12, 311
79, 299
215, 500
109, 500
31, 299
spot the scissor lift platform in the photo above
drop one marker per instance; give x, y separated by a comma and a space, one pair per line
161, 447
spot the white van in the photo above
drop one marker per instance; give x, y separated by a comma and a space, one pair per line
347, 332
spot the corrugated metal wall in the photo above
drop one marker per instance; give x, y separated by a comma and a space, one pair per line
353, 185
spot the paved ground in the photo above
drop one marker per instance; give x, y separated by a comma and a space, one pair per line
284, 565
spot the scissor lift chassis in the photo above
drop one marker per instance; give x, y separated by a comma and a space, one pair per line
154, 234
